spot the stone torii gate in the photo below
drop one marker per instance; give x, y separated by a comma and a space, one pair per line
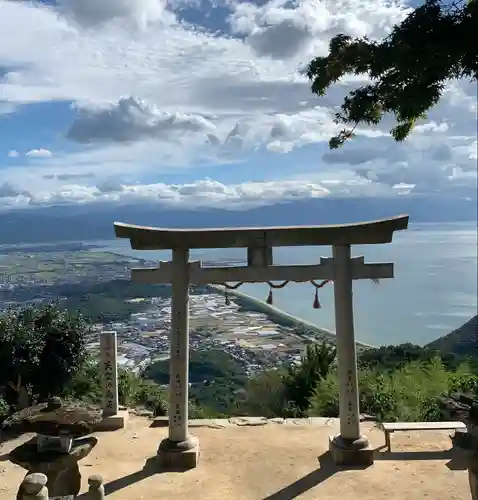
180, 448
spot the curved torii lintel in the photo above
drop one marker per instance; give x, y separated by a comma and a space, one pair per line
361, 233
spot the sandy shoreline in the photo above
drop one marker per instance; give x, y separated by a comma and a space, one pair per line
284, 317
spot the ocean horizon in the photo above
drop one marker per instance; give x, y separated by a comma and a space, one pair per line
433, 292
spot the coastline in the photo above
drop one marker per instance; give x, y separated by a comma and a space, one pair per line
280, 316
283, 317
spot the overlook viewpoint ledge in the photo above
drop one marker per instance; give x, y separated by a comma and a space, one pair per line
260, 459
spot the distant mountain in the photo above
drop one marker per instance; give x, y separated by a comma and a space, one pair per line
462, 342
95, 221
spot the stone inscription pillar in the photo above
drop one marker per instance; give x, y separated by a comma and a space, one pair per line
109, 367
350, 440
179, 362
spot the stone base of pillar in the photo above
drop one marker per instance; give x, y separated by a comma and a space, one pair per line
356, 453
113, 422
182, 455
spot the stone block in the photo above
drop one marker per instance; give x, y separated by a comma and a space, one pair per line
113, 422
178, 459
350, 457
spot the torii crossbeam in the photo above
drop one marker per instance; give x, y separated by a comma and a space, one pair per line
181, 449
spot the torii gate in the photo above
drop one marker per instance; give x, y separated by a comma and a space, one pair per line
180, 449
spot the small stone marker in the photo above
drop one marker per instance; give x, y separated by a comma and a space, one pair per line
33, 487
108, 355
96, 490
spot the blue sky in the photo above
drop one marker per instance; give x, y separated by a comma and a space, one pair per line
198, 103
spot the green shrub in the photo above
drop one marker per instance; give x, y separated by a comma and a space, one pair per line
195, 411
265, 395
128, 386
378, 395
41, 350
132, 389
429, 410
463, 380
409, 393
152, 397
301, 379
86, 384
325, 399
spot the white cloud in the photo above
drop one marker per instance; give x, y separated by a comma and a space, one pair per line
92, 13
13, 153
68, 177
427, 164
39, 153
131, 120
9, 191
431, 126
154, 95
284, 29
201, 193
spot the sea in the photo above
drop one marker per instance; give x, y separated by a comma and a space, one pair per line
433, 292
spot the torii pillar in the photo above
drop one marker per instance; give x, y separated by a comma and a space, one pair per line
180, 449
350, 446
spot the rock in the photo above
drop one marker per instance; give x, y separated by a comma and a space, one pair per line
55, 419
143, 412
464, 440
61, 469
277, 420
454, 409
241, 421
33, 487
365, 417
96, 489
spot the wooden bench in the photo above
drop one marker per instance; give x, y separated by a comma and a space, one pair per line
391, 427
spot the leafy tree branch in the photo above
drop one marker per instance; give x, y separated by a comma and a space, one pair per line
407, 70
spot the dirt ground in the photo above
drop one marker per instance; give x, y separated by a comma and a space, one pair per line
270, 462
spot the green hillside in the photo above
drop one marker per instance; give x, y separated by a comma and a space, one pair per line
461, 342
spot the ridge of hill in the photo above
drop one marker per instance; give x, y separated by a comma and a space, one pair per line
95, 221
462, 342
